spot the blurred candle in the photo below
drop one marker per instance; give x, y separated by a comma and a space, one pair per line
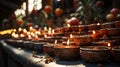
68, 25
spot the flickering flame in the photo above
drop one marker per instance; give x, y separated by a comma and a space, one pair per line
50, 28
24, 31
71, 36
49, 31
45, 28
32, 34
53, 31
13, 34
16, 36
19, 29
109, 44
14, 30
68, 42
31, 28
93, 32
45, 36
55, 41
22, 35
68, 25
98, 23
37, 32
28, 33
36, 36
29, 37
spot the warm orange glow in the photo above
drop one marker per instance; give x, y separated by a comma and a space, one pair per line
24, 31
22, 35
32, 34
68, 25
109, 44
37, 32
45, 36
71, 36
50, 28
68, 42
29, 37
49, 31
45, 28
30, 28
98, 23
6, 31
55, 41
36, 36
93, 32
19, 29
16, 36
53, 31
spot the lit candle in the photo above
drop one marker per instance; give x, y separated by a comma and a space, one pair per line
68, 25
25, 31
22, 35
93, 32
45, 28
55, 41
98, 23
16, 36
94, 35
45, 36
71, 36
19, 29
109, 45
53, 31
68, 44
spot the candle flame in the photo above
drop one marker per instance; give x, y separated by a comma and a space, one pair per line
45, 28
68, 42
28, 33
16, 36
32, 34
71, 36
68, 25
31, 28
29, 36
55, 41
22, 35
50, 28
109, 44
24, 30
93, 32
98, 23
36, 36
49, 31
53, 31
13, 34
14, 30
37, 32
19, 29
45, 36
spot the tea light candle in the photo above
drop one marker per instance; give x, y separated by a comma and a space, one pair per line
68, 43
109, 45
94, 35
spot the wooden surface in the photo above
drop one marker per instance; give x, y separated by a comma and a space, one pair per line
25, 58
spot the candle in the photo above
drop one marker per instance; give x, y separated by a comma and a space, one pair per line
98, 23
68, 25
45, 28
16, 36
109, 45
94, 35
71, 36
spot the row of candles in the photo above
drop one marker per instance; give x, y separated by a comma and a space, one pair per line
34, 34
